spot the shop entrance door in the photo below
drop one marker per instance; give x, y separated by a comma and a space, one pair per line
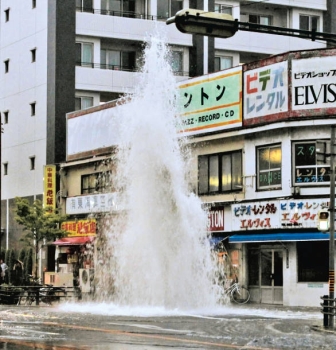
271, 276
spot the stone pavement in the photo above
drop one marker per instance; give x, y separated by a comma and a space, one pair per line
302, 309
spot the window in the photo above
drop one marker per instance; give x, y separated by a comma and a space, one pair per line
269, 167
313, 261
223, 9
177, 62
32, 162
168, 8
5, 168
33, 4
32, 108
83, 102
6, 113
84, 54
7, 15
96, 183
259, 19
33, 55
125, 8
222, 62
6, 66
309, 22
311, 162
113, 59
218, 173
84, 5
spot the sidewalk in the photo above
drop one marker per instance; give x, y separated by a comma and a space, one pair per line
317, 311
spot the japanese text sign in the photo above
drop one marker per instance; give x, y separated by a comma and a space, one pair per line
266, 90
49, 186
313, 83
80, 228
95, 203
281, 214
210, 103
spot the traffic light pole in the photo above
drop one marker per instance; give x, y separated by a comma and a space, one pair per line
332, 227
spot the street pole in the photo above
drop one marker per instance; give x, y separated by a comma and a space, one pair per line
332, 227
36, 251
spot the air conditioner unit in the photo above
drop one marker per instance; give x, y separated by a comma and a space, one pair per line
85, 276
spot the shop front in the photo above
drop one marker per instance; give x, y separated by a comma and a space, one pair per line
74, 263
286, 258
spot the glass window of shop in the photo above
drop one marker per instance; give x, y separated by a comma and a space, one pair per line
269, 167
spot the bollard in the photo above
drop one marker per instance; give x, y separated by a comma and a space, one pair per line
37, 296
325, 310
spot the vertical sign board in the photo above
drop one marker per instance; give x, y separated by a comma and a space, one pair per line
313, 86
211, 102
265, 93
49, 186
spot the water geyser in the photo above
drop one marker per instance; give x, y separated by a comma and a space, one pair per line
157, 252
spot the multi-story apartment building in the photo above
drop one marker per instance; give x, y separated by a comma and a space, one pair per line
59, 56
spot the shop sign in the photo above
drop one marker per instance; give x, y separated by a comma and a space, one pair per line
49, 186
216, 219
211, 102
94, 203
255, 216
313, 83
266, 90
80, 228
278, 214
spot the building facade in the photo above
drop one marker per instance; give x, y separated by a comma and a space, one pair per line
59, 56
260, 163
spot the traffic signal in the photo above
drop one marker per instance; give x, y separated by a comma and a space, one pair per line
219, 25
323, 220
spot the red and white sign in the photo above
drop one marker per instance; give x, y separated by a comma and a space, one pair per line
216, 219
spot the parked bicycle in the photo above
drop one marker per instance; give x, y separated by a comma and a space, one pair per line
237, 293
46, 293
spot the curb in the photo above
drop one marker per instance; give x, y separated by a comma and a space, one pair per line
323, 329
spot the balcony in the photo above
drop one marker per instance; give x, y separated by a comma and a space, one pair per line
313, 5
111, 78
126, 26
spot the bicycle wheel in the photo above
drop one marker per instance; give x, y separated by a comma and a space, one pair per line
240, 295
25, 298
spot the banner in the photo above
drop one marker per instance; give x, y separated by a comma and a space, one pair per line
49, 186
80, 227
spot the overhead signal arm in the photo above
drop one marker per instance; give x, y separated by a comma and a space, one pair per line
224, 26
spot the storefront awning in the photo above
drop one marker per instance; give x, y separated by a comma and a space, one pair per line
74, 240
214, 241
279, 237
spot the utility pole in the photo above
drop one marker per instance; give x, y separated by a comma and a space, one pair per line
1, 131
332, 227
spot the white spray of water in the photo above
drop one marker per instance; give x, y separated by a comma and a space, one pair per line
160, 255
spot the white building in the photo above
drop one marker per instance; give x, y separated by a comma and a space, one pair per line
260, 163
59, 56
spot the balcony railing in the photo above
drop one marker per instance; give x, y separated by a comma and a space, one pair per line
128, 14
121, 68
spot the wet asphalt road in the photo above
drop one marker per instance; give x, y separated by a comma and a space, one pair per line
238, 327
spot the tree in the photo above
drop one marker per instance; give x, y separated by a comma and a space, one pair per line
41, 224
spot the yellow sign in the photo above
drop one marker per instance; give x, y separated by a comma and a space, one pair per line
80, 228
49, 186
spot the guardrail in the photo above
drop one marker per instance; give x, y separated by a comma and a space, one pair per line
328, 309
118, 13
13, 295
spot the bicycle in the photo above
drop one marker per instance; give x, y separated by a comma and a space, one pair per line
237, 293
47, 293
